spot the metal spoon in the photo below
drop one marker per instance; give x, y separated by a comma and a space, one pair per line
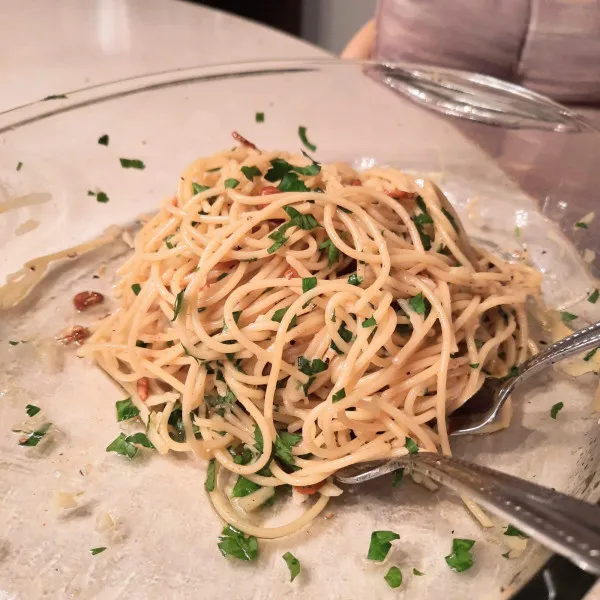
483, 408
568, 526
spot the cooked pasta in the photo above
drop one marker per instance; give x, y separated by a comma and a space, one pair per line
284, 319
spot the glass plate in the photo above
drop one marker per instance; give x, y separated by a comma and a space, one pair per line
518, 167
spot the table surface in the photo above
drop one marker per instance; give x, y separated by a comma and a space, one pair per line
56, 46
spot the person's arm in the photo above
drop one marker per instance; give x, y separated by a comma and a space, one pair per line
362, 44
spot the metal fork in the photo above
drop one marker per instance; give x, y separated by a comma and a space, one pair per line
563, 524
483, 408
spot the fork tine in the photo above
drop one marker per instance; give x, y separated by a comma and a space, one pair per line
359, 473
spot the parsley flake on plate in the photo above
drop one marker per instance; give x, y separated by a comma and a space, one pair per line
251, 172
120, 445
244, 487
178, 304
132, 163
417, 572
304, 139
94, 551
355, 279
308, 283
136, 288
370, 322
293, 565
54, 97
141, 439
197, 188
381, 544
231, 182
393, 577
101, 197
34, 438
19, 165
590, 355
593, 297
581, 225
209, 483
411, 445
259, 117
461, 557
418, 303
556, 408
32, 410
512, 531
126, 409
339, 395
233, 542
398, 475
284, 442
567, 317
103, 140
333, 254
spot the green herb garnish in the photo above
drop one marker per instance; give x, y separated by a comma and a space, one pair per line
126, 409
556, 408
417, 303
32, 410
197, 188
54, 97
297, 219
244, 487
461, 558
339, 395
178, 304
345, 334
581, 225
34, 438
567, 317
398, 475
19, 165
136, 288
381, 544
370, 322
120, 445
450, 218
293, 565
259, 117
250, 173
590, 354
355, 279
95, 551
168, 242
304, 139
280, 313
514, 532
132, 163
231, 182
292, 183
393, 577
284, 442
308, 283
593, 297
103, 140
411, 445
333, 253
141, 439
417, 572
232, 542
474, 365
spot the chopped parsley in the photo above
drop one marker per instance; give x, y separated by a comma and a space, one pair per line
293, 565
233, 542
120, 445
411, 445
126, 409
54, 97
231, 182
581, 225
355, 279
590, 354
178, 304
168, 242
197, 188
222, 276
593, 297
280, 313
339, 395
308, 283
311, 368
250, 173
292, 183
450, 218
304, 139
420, 221
103, 140
34, 438
259, 117
506, 554
333, 254
461, 557
556, 408
280, 168
136, 288
297, 219
284, 442
370, 322
98, 550
513, 372
219, 401
393, 577
398, 475
567, 317
514, 532
345, 334
244, 487
417, 572
419, 304
381, 544
132, 163
141, 439
19, 165
32, 410
474, 365
100, 196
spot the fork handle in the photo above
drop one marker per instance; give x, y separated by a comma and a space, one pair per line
557, 523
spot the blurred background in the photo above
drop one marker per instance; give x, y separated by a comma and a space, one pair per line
326, 23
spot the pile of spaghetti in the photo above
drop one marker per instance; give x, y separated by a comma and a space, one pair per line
284, 319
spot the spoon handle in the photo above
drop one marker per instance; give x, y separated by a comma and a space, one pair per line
568, 526
563, 524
